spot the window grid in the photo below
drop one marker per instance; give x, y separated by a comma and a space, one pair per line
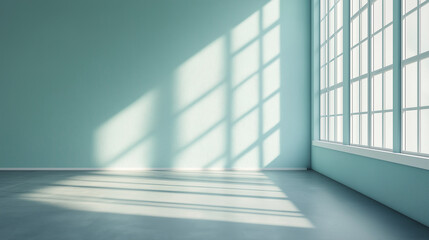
415, 77
371, 85
331, 66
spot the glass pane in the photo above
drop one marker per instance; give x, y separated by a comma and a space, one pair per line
364, 95
411, 35
364, 21
331, 128
377, 51
364, 58
388, 90
332, 73
409, 5
323, 128
322, 31
364, 129
322, 78
424, 21
388, 130
339, 9
322, 104
411, 131
377, 92
339, 42
388, 47
339, 129
331, 22
331, 102
424, 79
340, 69
424, 131
355, 129
411, 85
355, 31
388, 11
377, 15
355, 97
355, 62
331, 49
354, 6
377, 130
340, 100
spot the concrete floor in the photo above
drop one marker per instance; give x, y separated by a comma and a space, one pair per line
192, 205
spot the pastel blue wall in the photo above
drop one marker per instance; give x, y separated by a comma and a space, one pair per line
154, 84
403, 188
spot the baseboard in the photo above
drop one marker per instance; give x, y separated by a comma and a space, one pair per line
153, 169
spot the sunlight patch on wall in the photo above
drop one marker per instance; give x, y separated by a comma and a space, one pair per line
271, 44
271, 13
200, 74
271, 147
245, 132
126, 129
204, 150
244, 32
249, 159
244, 97
245, 63
271, 78
271, 113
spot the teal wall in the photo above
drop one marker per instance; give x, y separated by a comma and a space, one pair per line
154, 84
400, 187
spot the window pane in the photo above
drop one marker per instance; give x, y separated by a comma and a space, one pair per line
424, 79
331, 102
377, 92
425, 131
322, 78
340, 100
339, 129
377, 15
331, 128
340, 69
364, 58
388, 90
411, 85
340, 43
339, 9
388, 47
377, 49
322, 104
364, 25
388, 130
408, 5
355, 129
355, 62
424, 21
377, 130
355, 31
323, 128
364, 129
355, 97
411, 35
388, 11
364, 95
411, 131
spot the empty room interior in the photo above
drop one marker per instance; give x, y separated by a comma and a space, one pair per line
214, 119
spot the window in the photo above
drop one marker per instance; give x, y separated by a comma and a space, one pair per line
371, 64
331, 70
415, 76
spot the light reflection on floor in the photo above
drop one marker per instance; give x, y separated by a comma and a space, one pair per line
247, 197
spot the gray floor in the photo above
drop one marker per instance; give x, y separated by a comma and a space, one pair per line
192, 205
